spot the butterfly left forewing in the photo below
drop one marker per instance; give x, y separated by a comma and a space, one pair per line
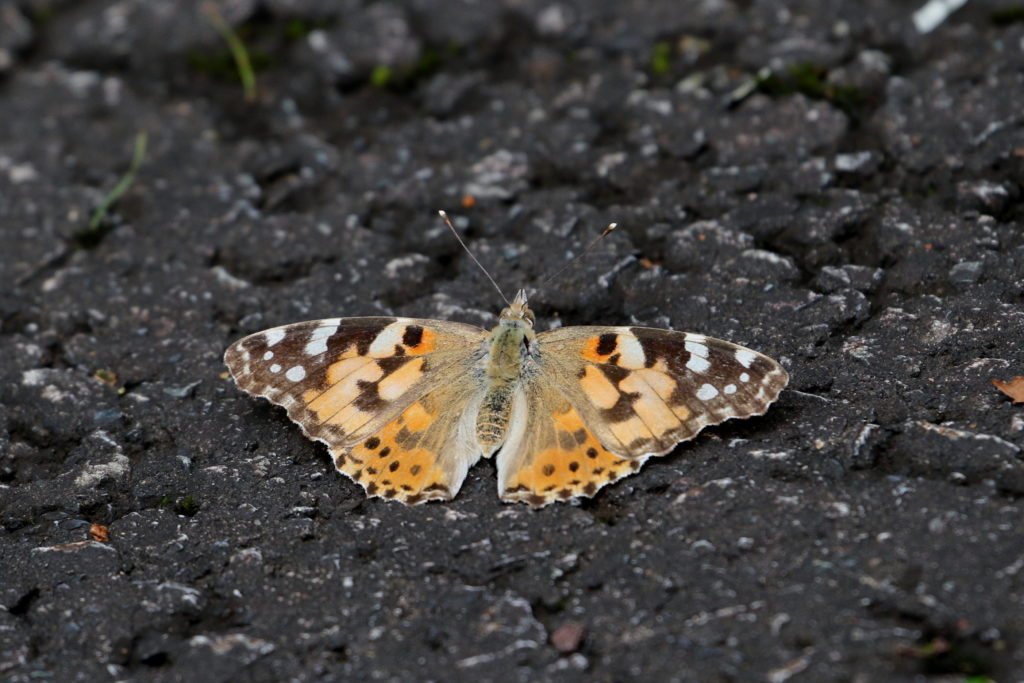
352, 383
637, 392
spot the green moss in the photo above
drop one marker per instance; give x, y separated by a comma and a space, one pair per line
297, 29
661, 58
429, 62
187, 506
811, 80
382, 76
391, 78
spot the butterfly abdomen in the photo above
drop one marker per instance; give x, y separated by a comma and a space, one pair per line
493, 418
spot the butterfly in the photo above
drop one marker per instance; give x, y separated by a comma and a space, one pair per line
407, 406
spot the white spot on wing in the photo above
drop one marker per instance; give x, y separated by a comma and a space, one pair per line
696, 348
631, 353
273, 336
317, 342
268, 355
316, 346
745, 357
696, 363
706, 392
275, 368
744, 377
296, 373
729, 389
389, 337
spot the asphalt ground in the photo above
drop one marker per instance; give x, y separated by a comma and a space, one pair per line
820, 181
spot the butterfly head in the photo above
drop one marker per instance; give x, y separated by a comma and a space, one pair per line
518, 312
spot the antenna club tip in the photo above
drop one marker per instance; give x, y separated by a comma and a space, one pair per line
441, 213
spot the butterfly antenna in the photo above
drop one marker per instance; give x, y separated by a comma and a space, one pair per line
459, 238
604, 233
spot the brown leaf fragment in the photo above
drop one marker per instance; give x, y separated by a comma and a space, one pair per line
99, 533
1014, 388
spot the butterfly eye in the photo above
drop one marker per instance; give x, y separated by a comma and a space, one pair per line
530, 318
529, 347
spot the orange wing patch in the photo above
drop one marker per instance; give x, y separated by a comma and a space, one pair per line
634, 404
390, 464
358, 387
337, 405
618, 348
574, 464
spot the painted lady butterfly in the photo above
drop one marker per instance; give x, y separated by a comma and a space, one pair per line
407, 406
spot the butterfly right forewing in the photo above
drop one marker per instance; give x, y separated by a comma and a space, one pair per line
649, 388
604, 399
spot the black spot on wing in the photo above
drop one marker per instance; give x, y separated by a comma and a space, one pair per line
623, 408
606, 343
614, 373
389, 365
413, 336
369, 399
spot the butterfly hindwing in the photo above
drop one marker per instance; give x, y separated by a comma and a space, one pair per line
424, 452
356, 382
636, 392
554, 455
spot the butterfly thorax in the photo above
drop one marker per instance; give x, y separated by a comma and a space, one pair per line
511, 342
